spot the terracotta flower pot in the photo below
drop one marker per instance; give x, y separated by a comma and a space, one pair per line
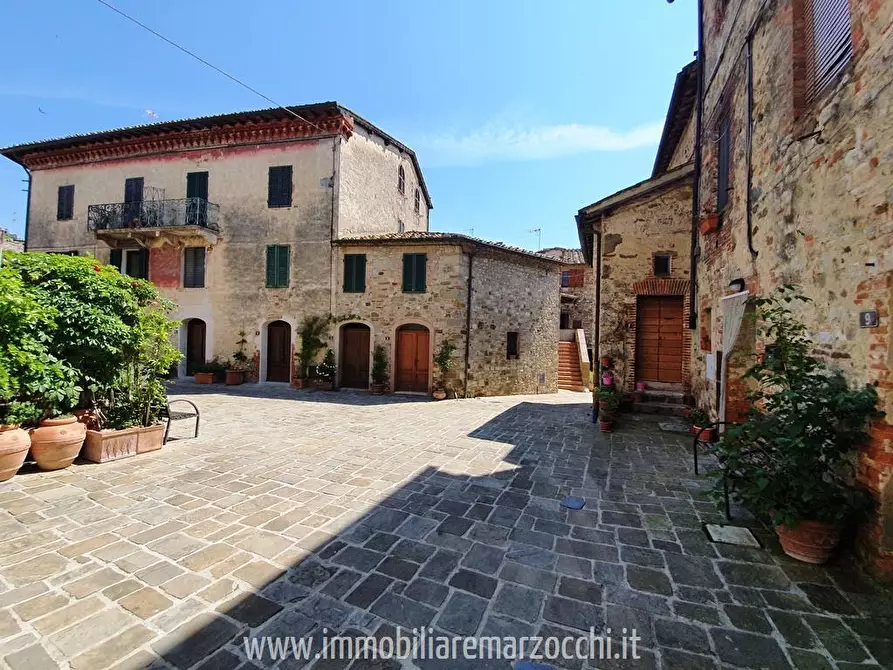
379, 389
150, 438
110, 445
86, 417
297, 383
204, 377
439, 394
14, 445
323, 385
234, 377
57, 442
708, 435
810, 541
606, 426
605, 361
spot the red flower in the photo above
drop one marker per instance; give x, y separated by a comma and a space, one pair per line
97, 268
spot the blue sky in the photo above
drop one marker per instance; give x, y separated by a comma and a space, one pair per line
521, 112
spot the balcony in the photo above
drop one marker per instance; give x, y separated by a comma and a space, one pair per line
154, 223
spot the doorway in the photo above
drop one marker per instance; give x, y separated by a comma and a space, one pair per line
354, 357
279, 352
196, 331
412, 359
659, 328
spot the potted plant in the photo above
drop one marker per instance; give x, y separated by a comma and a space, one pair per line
608, 403
314, 335
698, 418
379, 370
57, 441
444, 361
793, 457
14, 442
235, 373
326, 372
205, 373
708, 223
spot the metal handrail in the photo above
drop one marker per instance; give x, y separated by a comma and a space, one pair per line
175, 213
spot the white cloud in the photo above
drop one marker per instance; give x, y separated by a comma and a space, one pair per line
497, 142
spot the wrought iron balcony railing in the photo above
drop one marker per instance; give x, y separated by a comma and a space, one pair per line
154, 214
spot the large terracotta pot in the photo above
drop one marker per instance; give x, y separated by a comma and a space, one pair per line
204, 377
439, 394
110, 445
150, 438
379, 389
57, 442
14, 444
810, 541
234, 377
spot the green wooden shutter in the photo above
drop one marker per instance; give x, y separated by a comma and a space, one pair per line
360, 274
421, 272
407, 272
347, 286
271, 267
115, 258
144, 264
282, 266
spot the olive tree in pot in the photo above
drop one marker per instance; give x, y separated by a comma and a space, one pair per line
444, 361
235, 372
314, 335
326, 372
793, 458
379, 370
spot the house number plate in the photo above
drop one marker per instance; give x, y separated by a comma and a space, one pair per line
868, 319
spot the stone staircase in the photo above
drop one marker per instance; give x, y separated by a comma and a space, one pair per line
569, 377
662, 399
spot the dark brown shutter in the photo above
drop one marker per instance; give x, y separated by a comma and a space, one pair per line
829, 43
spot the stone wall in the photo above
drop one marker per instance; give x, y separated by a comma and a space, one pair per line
509, 293
9, 242
368, 198
582, 306
822, 204
659, 223
513, 296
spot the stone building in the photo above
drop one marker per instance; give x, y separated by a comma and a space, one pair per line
234, 218
10, 242
795, 185
639, 243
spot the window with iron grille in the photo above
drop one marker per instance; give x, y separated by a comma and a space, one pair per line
414, 273
278, 265
280, 186
661, 265
512, 342
418, 201
65, 203
724, 162
194, 267
401, 180
355, 273
829, 44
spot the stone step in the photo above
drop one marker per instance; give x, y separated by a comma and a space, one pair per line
661, 408
667, 397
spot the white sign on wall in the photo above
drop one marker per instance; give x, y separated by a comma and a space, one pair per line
710, 360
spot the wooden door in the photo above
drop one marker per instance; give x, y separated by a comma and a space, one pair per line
412, 359
197, 198
195, 344
278, 352
355, 356
659, 330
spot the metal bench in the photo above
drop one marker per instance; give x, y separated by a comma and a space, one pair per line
174, 415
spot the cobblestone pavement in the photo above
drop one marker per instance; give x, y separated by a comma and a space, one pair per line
302, 510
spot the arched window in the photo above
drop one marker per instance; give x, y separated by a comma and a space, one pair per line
418, 201
401, 180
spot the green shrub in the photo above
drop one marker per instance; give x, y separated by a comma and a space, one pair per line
379, 365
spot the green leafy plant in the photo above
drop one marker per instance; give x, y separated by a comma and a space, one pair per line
379, 365
444, 361
240, 358
698, 417
609, 399
314, 333
793, 458
327, 370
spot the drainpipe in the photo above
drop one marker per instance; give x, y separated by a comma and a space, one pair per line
749, 57
696, 191
468, 321
596, 347
27, 206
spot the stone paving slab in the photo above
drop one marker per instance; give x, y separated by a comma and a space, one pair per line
299, 512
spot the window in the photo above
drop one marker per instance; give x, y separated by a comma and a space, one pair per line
194, 267
414, 268
511, 345
279, 187
828, 43
661, 265
401, 180
565, 278
355, 273
564, 321
278, 265
707, 330
65, 203
401, 227
724, 166
576, 278
418, 201
132, 262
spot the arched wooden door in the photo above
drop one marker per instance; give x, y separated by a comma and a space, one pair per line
354, 358
412, 357
195, 344
279, 352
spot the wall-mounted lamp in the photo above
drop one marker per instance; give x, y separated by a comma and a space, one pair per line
737, 285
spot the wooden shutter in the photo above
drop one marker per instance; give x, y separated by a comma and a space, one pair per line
724, 162
271, 266
829, 43
414, 271
133, 190
282, 266
65, 203
279, 186
143, 264
115, 258
197, 185
194, 267
355, 273
576, 277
